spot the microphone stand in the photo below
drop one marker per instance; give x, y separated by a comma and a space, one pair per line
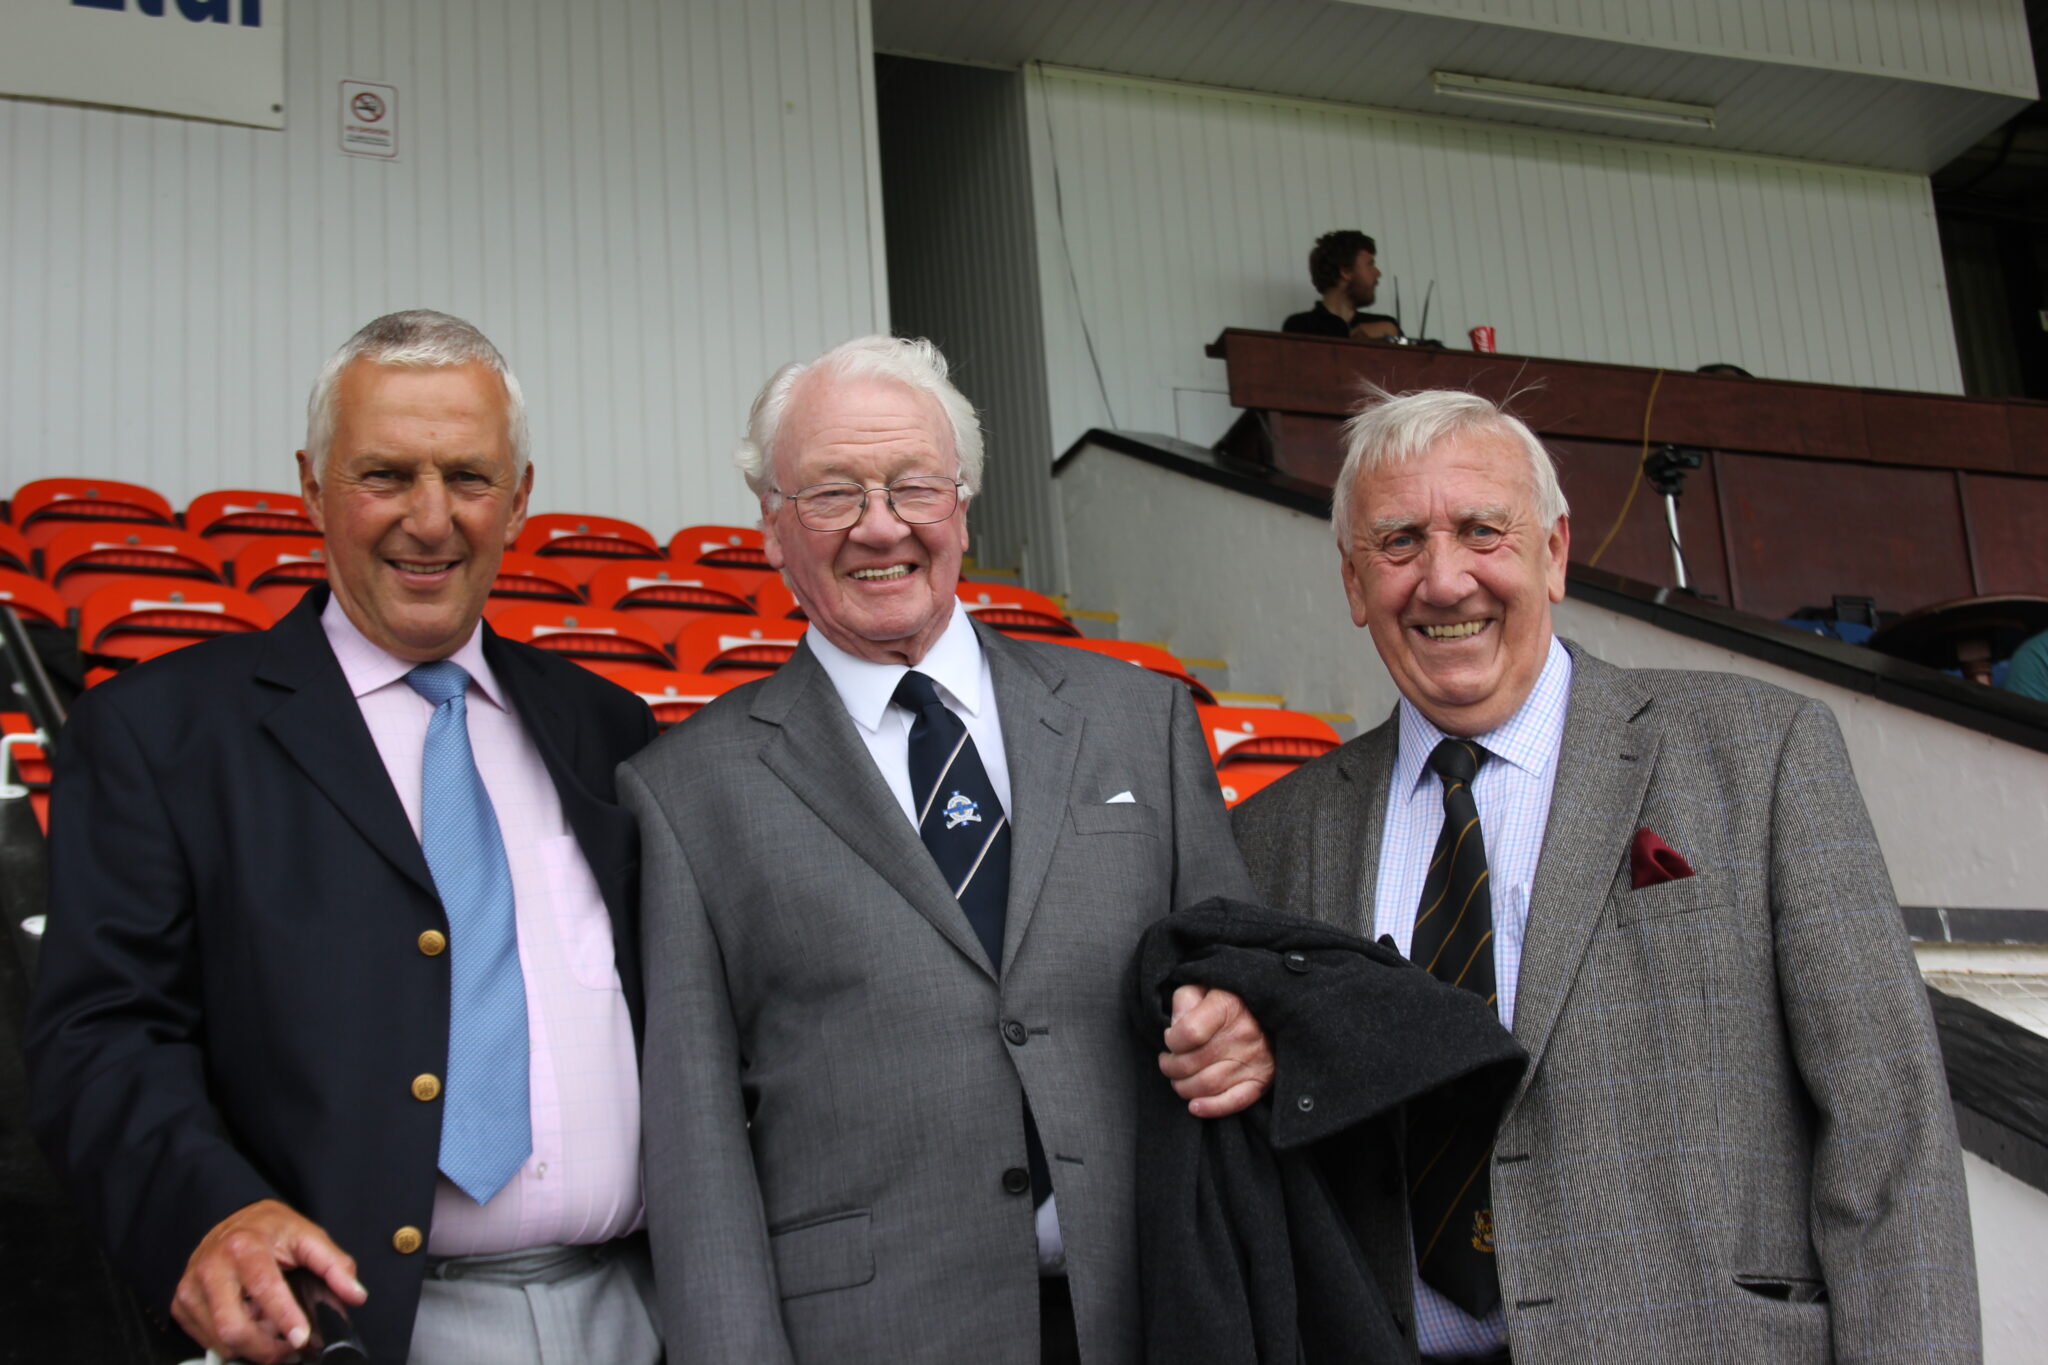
1666, 468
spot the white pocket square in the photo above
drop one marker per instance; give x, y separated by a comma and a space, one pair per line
1122, 798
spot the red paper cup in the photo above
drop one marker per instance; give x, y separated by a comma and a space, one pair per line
1482, 339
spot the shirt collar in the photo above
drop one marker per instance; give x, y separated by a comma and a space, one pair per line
1529, 739
953, 662
368, 666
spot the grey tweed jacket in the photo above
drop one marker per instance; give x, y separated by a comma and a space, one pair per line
1734, 1142
834, 1080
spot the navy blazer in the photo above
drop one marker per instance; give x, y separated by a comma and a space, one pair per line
232, 1002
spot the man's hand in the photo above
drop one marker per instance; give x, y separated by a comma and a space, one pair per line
233, 1298
1216, 1053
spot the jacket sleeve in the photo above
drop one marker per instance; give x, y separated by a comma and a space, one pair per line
713, 1267
1890, 1217
118, 1093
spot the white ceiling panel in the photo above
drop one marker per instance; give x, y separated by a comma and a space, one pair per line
1355, 53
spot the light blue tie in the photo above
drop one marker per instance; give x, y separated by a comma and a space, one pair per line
486, 1122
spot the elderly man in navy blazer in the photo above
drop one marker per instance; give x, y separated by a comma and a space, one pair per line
1734, 1141
341, 960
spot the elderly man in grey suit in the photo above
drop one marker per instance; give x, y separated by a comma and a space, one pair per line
1734, 1141
891, 892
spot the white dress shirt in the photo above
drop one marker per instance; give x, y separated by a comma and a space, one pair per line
1512, 790
581, 1184
956, 663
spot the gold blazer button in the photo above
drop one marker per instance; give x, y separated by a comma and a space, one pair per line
433, 943
407, 1240
426, 1087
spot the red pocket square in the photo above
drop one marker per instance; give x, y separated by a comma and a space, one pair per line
1652, 861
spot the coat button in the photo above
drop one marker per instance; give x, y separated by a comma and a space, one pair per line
1296, 962
1305, 1103
1016, 1180
426, 1086
1014, 1032
407, 1240
433, 943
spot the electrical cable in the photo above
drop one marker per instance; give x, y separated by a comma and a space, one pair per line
1059, 209
1649, 406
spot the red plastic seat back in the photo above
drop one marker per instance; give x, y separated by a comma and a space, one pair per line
79, 559
33, 599
15, 551
31, 766
1240, 784
750, 646
1015, 611
1240, 735
667, 595
1147, 656
674, 696
231, 518
140, 618
774, 599
735, 549
43, 507
599, 639
584, 543
277, 570
530, 578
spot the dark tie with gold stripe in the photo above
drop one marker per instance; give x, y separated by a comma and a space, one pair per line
1450, 1206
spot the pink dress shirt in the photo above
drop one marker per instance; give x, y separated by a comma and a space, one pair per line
582, 1182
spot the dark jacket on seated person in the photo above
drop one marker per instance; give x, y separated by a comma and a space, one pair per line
1281, 1234
1320, 321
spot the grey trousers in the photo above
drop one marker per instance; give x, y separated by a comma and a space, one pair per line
551, 1306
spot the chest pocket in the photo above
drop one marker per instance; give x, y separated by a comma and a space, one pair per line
1682, 897
1118, 817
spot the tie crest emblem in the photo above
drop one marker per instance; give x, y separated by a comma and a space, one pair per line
961, 810
1482, 1231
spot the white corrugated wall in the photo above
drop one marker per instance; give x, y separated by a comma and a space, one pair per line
647, 204
1184, 210
1977, 43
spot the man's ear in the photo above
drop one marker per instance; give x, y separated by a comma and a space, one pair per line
519, 503
309, 492
1354, 592
1559, 549
771, 542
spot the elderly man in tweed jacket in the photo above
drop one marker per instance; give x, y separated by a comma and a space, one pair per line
1734, 1142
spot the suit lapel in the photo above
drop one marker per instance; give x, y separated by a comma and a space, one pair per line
1346, 851
1041, 745
1603, 770
321, 727
818, 754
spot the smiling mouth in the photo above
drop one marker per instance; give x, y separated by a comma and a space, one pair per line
888, 575
422, 567
1460, 630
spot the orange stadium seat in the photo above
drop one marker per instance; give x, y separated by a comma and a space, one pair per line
43, 507
1015, 611
1240, 786
666, 595
140, 618
674, 696
31, 766
749, 646
1147, 656
15, 551
774, 599
233, 517
596, 637
1254, 745
33, 599
79, 559
277, 570
585, 543
529, 578
735, 549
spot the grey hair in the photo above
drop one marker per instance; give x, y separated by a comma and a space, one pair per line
1390, 429
416, 339
915, 363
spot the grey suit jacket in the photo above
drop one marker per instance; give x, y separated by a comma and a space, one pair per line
1734, 1142
832, 1094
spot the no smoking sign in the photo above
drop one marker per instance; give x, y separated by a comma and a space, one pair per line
369, 119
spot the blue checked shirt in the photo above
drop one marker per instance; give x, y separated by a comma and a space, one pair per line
1512, 791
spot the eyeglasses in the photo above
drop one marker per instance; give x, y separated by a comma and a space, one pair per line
836, 506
